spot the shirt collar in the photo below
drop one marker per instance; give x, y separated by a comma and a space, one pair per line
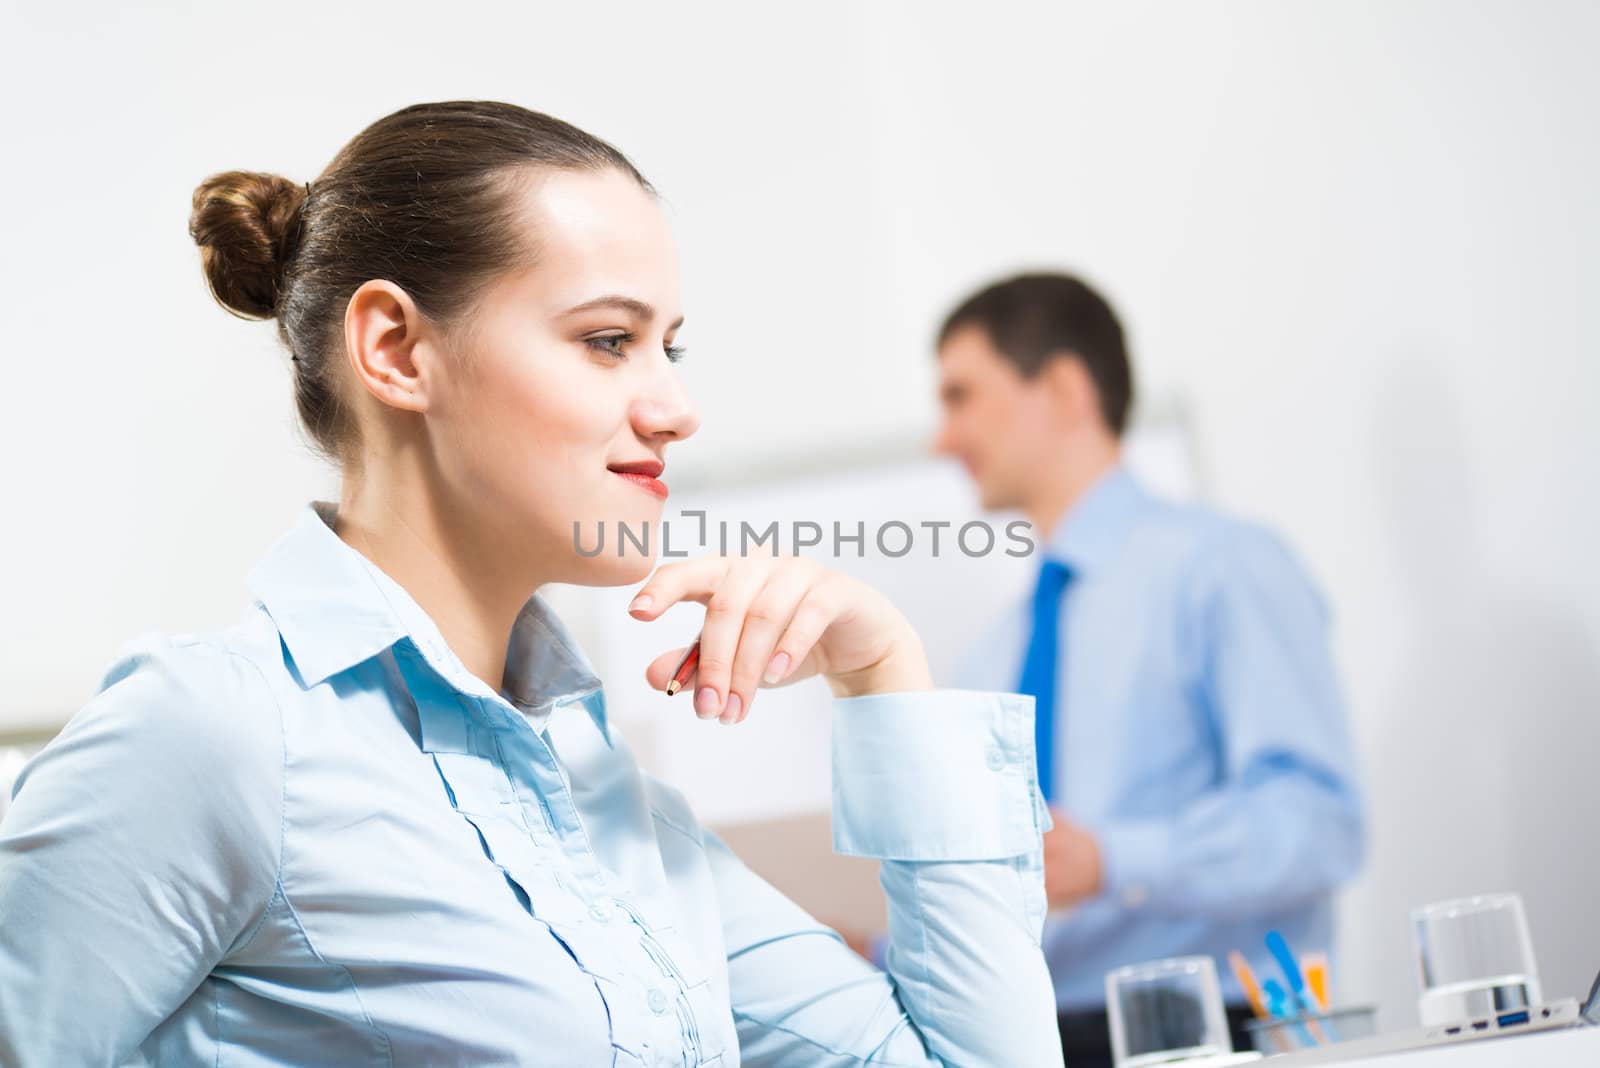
334, 609
1095, 527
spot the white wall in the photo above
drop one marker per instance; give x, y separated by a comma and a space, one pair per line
1358, 238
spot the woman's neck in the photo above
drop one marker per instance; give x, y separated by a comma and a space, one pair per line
449, 568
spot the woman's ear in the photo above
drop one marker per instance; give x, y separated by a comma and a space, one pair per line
385, 336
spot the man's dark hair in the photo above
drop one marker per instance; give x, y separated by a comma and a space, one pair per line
1032, 318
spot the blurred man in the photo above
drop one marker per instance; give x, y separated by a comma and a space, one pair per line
1191, 736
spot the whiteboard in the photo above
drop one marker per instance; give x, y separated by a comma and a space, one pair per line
777, 762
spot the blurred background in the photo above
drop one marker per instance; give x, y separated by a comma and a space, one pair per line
1355, 246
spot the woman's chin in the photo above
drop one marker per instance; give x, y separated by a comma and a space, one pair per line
619, 543
608, 569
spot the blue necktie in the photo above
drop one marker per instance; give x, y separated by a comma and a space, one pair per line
1039, 668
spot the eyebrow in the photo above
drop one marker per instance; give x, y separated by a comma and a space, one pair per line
631, 305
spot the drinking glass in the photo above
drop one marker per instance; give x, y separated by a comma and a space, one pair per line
1166, 1010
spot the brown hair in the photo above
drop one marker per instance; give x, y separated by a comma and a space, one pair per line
1032, 318
424, 197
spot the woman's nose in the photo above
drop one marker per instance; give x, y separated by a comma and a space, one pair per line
665, 411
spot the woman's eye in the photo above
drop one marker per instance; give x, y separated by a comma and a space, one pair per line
612, 345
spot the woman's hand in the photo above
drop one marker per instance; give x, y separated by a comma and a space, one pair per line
778, 620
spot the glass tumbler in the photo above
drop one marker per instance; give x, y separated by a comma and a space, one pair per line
1166, 1010
1474, 958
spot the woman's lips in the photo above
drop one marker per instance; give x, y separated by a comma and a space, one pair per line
648, 482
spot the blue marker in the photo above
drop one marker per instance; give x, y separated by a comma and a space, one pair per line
1277, 999
1281, 1004
1279, 948
1304, 1003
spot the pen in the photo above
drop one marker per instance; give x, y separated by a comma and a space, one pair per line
1315, 965
685, 667
1277, 999
1297, 999
1247, 981
1283, 1006
1252, 992
1279, 948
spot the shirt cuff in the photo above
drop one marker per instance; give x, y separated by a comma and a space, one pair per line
1133, 857
935, 775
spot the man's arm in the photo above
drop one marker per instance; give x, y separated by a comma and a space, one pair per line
1285, 822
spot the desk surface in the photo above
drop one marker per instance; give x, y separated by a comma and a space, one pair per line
1576, 1047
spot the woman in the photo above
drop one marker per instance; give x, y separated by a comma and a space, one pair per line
384, 819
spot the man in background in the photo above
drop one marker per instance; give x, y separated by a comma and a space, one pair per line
1191, 736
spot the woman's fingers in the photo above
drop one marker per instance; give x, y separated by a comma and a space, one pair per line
749, 606
719, 640
821, 605
764, 623
684, 580
777, 620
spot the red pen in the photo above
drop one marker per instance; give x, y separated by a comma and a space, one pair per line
685, 667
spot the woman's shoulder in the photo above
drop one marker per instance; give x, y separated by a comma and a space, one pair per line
225, 662
184, 698
174, 770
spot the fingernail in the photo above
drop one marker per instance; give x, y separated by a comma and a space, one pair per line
777, 669
641, 602
730, 711
705, 702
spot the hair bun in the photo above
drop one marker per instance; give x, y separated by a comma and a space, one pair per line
244, 223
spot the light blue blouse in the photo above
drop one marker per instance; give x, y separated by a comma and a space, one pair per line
316, 839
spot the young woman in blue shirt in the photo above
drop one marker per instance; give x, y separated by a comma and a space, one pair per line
385, 818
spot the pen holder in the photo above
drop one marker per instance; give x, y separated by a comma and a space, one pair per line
1310, 1030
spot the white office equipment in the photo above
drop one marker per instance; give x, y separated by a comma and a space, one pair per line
1506, 1030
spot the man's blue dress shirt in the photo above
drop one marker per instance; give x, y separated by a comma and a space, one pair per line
1199, 733
316, 839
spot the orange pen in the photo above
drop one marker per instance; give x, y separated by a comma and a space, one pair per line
1252, 992
1316, 969
1247, 980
